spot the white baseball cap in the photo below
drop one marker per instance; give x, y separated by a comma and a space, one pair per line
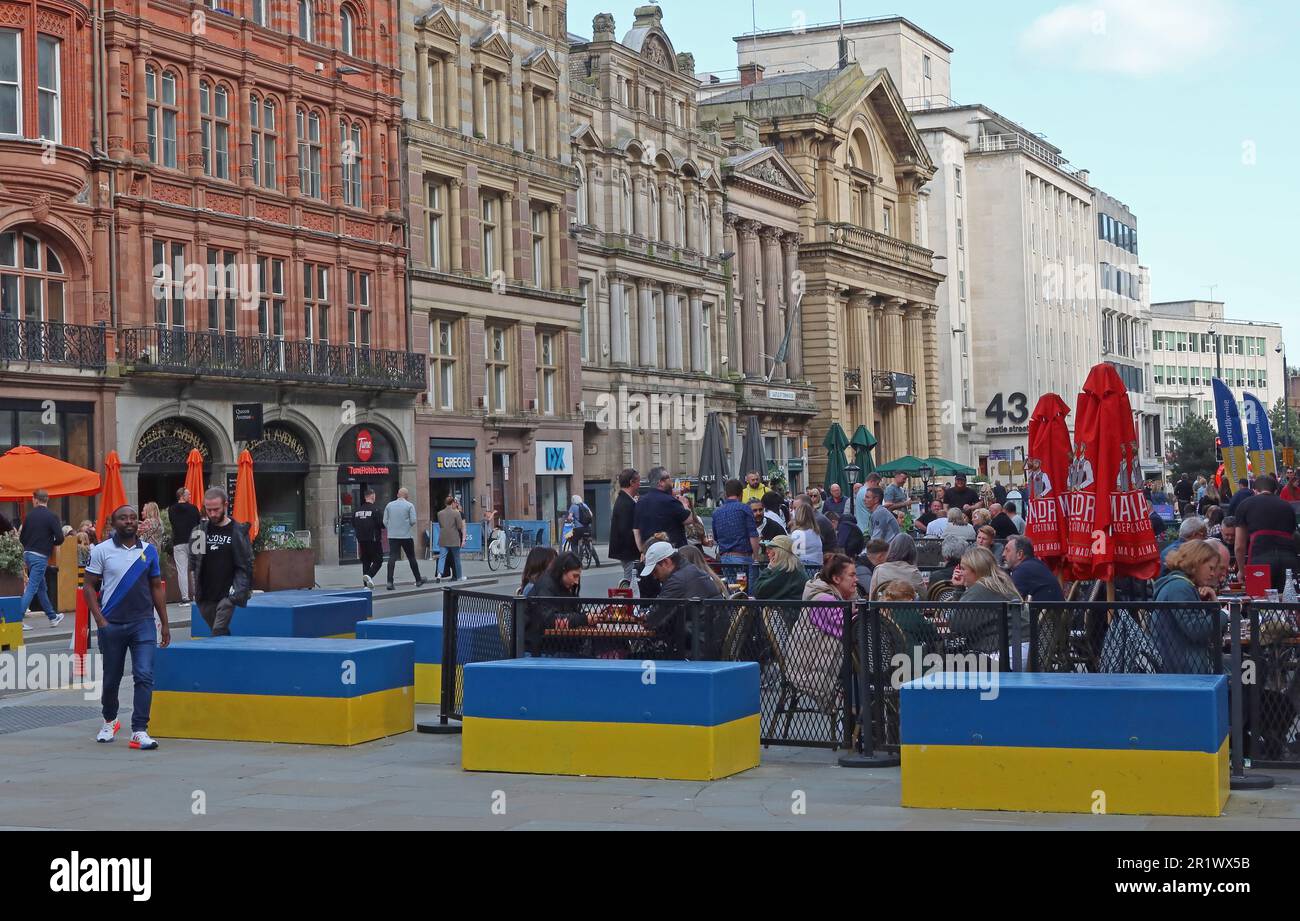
656, 555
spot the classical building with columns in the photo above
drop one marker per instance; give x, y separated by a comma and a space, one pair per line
868, 316
649, 229
493, 276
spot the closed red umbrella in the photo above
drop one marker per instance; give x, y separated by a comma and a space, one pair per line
1046, 470
113, 495
246, 495
1109, 528
194, 476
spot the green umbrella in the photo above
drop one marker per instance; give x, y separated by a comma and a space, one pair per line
863, 444
835, 444
908, 464
944, 467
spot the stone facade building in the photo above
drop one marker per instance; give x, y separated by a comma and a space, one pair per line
494, 286
870, 340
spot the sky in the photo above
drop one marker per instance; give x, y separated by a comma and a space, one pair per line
1185, 110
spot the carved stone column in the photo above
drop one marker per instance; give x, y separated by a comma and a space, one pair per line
451, 91
917, 413
751, 330
503, 109
731, 321
618, 319
858, 357
673, 327
423, 105
933, 411
648, 344
698, 343
555, 240
794, 289
773, 315
895, 417
507, 231
530, 120
454, 218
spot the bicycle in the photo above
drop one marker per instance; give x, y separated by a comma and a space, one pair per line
585, 550
505, 549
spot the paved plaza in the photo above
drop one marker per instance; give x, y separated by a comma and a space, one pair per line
57, 777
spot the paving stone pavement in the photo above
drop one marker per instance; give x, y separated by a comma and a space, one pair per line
58, 777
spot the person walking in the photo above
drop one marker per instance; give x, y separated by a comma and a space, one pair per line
451, 538
365, 522
128, 571
184, 516
884, 526
399, 522
659, 510
221, 563
622, 529
41, 532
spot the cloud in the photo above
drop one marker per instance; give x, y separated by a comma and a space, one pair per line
1138, 39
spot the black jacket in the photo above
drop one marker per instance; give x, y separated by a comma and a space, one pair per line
548, 602
622, 543
41, 532
184, 518
242, 588
1035, 580
684, 585
365, 523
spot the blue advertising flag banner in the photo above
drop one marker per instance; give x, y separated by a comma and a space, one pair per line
1232, 436
1259, 437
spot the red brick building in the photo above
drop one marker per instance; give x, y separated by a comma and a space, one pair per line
228, 205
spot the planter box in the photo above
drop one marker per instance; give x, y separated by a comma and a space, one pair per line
277, 570
10, 585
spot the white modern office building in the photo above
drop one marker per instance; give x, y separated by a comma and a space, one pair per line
1193, 342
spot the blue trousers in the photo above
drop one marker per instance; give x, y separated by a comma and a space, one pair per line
36, 566
141, 637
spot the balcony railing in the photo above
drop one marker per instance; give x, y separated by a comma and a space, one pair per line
882, 384
872, 243
853, 380
213, 354
52, 343
999, 143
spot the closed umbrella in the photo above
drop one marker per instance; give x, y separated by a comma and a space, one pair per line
863, 443
752, 457
713, 472
24, 470
194, 476
1046, 470
836, 443
113, 495
246, 495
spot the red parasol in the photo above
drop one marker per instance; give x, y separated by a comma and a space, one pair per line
1046, 469
194, 476
24, 470
246, 495
113, 496
1109, 528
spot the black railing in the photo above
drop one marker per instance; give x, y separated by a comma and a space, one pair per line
179, 351
1266, 654
52, 343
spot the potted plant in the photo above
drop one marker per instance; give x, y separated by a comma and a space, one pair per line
281, 561
11, 565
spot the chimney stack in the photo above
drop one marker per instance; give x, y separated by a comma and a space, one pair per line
751, 73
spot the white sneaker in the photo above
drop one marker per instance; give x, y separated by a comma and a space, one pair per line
142, 741
58, 620
367, 582
108, 732
27, 628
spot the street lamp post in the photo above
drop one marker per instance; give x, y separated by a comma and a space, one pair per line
1218, 354
1286, 395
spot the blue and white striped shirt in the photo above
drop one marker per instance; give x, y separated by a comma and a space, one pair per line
125, 595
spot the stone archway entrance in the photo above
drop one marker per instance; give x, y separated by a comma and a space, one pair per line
161, 453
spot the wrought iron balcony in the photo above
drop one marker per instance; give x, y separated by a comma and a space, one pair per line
37, 342
882, 384
853, 380
211, 354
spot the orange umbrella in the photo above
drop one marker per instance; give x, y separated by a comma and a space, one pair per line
245, 495
194, 476
114, 495
24, 470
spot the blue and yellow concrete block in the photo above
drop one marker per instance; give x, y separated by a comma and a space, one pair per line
11, 622
611, 718
1120, 744
478, 639
272, 689
295, 613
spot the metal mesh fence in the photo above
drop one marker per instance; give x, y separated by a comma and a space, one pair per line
475, 628
1269, 647
1154, 638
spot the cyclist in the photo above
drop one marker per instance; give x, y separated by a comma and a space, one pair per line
581, 517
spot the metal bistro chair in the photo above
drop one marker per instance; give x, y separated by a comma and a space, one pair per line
943, 591
506, 624
790, 699
733, 646
892, 642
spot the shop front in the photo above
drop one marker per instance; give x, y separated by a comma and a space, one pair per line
452, 469
161, 454
553, 467
281, 463
64, 430
366, 459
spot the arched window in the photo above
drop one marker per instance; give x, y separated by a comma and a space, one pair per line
32, 279
309, 153
627, 205
584, 216
307, 20
350, 156
214, 115
262, 119
162, 115
347, 30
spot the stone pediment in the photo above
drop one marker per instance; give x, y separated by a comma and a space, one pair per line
767, 167
439, 22
541, 62
494, 43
